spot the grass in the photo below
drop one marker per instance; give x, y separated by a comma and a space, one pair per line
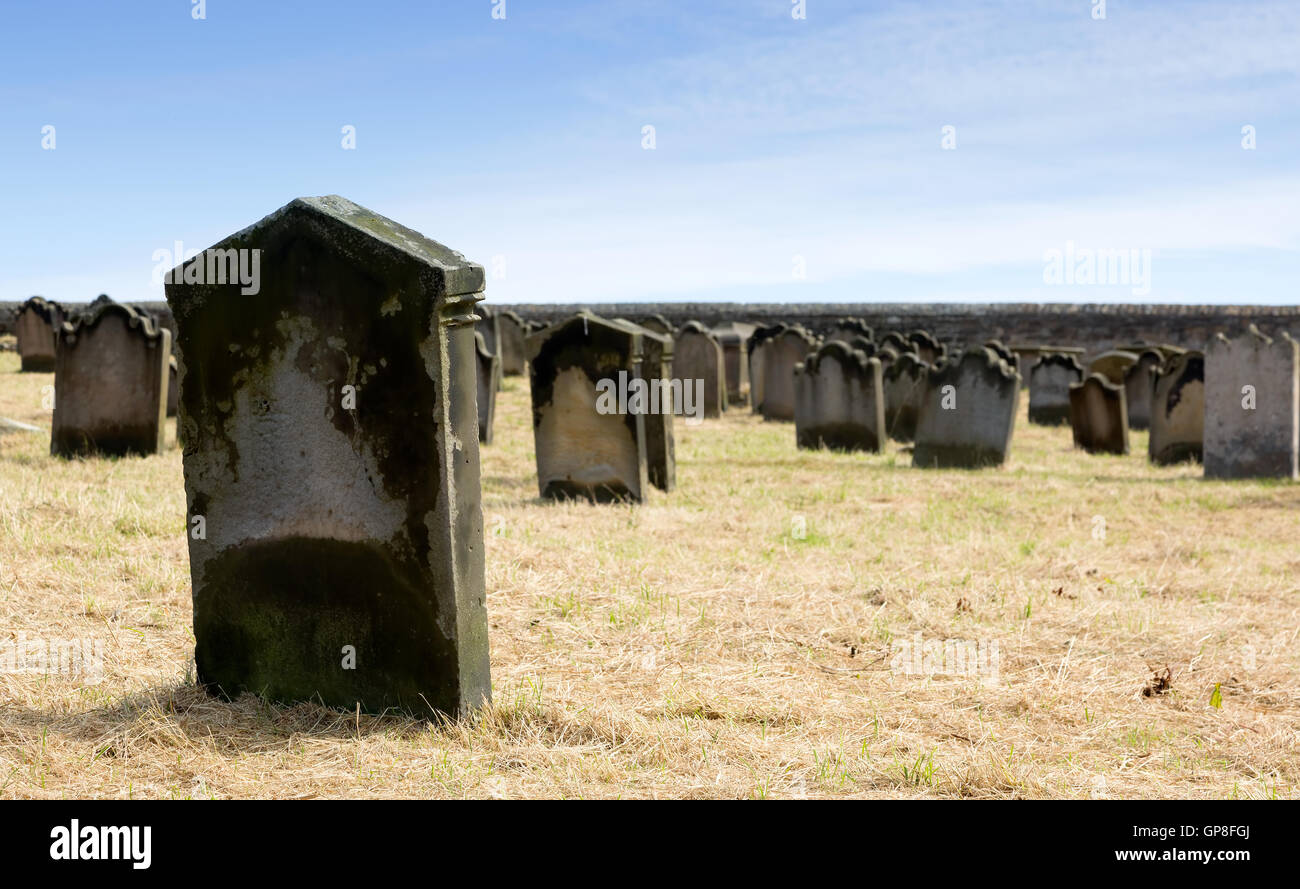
732, 639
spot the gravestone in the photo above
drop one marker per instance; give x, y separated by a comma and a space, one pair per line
904, 383
968, 412
847, 329
657, 375
512, 330
896, 341
489, 325
331, 465
1113, 365
838, 400
588, 447
35, 326
1099, 416
110, 385
734, 336
757, 347
697, 355
173, 385
780, 354
1138, 382
657, 324
1050, 379
1178, 410
1252, 406
1011, 358
489, 370
927, 348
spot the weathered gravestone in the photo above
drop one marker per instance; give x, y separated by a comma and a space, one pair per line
757, 347
904, 383
847, 329
734, 336
1138, 382
896, 341
657, 324
331, 466
1252, 406
35, 325
489, 327
662, 403
1113, 365
968, 412
1178, 410
590, 438
489, 371
838, 400
697, 355
110, 384
1050, 379
927, 348
512, 330
1011, 358
780, 353
1099, 416
173, 386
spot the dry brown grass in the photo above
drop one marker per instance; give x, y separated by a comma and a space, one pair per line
694, 647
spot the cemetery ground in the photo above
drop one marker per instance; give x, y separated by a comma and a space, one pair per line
731, 639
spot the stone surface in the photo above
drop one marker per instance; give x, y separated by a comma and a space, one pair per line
1178, 410
656, 324
896, 341
1010, 357
1252, 406
34, 326
1099, 416
904, 384
512, 330
968, 412
779, 354
697, 355
110, 385
173, 385
734, 339
657, 374
489, 372
1050, 378
1113, 365
583, 452
489, 327
336, 528
1139, 380
838, 400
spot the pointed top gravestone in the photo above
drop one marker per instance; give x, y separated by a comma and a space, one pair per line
327, 361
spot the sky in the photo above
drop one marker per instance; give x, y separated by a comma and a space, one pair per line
800, 150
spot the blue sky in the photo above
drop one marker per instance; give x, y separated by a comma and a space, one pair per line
781, 144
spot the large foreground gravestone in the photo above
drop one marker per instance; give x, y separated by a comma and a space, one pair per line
589, 434
1252, 406
1139, 380
512, 329
697, 355
838, 400
1178, 410
779, 354
967, 413
487, 379
734, 336
331, 464
1050, 379
903, 382
1099, 416
110, 384
35, 326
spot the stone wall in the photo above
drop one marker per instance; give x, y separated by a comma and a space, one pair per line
1095, 327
